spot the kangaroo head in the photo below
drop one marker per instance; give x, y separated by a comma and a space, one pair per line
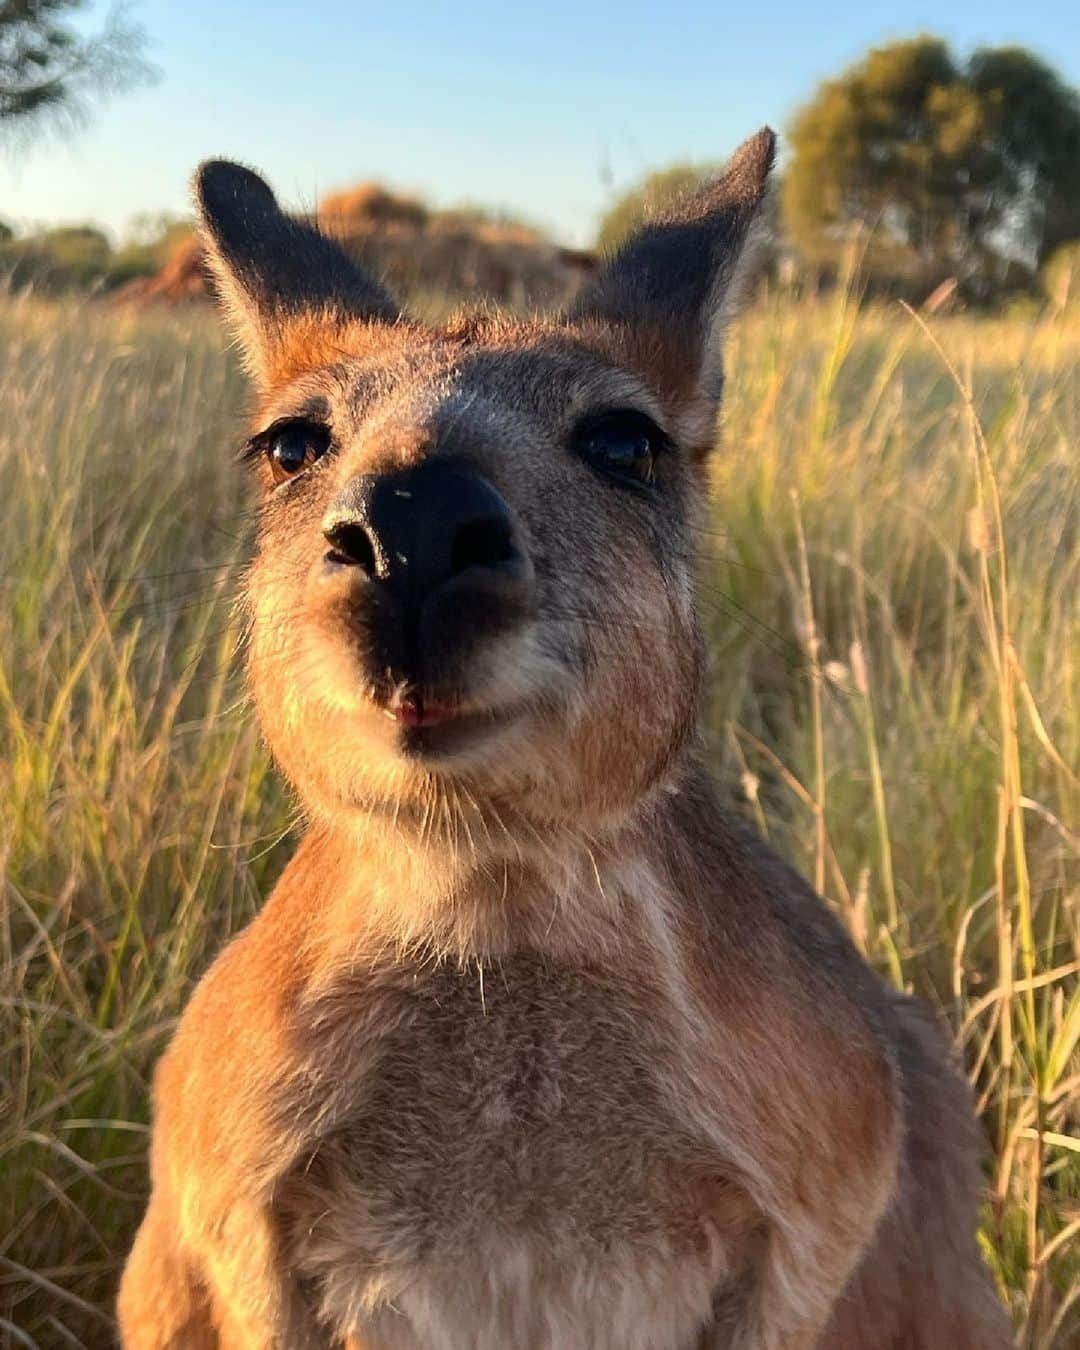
475, 568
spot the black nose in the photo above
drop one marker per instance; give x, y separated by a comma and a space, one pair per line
416, 528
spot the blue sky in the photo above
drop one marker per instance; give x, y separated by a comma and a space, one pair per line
544, 110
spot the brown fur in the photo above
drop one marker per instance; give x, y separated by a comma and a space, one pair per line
532, 1046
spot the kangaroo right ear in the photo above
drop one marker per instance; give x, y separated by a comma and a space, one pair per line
667, 294
272, 272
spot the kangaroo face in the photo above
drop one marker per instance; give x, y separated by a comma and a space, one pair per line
475, 564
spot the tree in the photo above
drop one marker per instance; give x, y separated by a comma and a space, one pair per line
64, 258
49, 69
953, 169
652, 195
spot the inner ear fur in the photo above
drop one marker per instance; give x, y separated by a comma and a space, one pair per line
667, 294
276, 277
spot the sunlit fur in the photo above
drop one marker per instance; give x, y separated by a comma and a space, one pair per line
533, 1046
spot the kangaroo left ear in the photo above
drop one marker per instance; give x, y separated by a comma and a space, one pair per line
274, 273
670, 291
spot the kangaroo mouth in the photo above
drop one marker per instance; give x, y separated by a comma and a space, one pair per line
415, 712
428, 729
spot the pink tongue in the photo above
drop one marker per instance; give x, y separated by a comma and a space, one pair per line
411, 713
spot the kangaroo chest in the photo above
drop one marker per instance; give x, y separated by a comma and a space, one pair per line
512, 1173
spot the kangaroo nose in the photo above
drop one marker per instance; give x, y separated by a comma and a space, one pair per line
416, 528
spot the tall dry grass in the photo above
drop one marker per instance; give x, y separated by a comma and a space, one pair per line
892, 591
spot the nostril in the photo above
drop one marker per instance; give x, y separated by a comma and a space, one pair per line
481, 543
351, 544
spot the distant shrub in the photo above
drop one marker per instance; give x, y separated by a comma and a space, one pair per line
155, 243
649, 198
444, 257
65, 258
81, 257
369, 204
82, 248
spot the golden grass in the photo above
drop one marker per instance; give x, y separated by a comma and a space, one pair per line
892, 591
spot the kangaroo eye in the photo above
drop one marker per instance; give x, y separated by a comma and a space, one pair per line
623, 445
294, 447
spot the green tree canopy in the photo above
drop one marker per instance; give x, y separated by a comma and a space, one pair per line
964, 169
49, 68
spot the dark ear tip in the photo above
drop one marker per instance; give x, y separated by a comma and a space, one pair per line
221, 187
750, 164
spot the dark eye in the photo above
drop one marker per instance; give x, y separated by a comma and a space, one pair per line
623, 445
295, 446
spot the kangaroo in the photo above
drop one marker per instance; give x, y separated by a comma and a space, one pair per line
533, 1047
